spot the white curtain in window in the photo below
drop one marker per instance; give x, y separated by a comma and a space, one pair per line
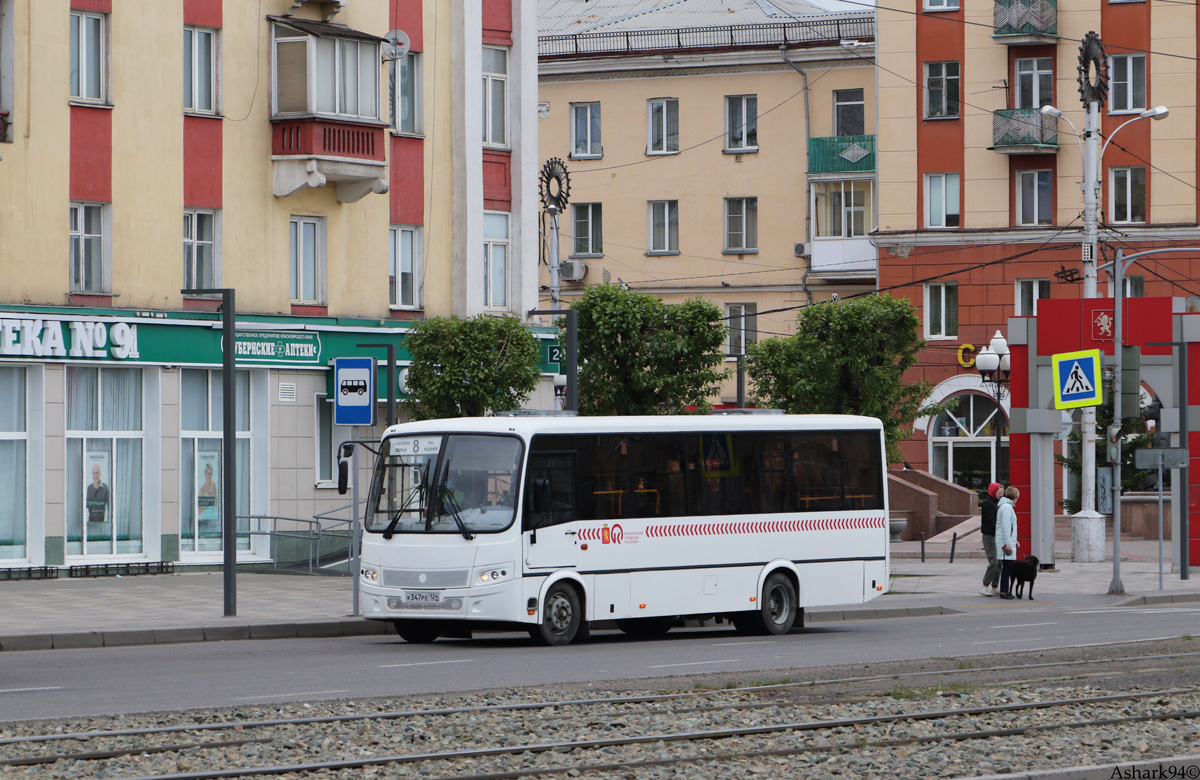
12, 499
127, 498
74, 496
194, 399
83, 387
121, 399
12, 391
243, 493
326, 73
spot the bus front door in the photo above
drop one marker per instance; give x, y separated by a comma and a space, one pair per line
551, 537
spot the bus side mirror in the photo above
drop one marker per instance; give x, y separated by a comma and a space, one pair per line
541, 496
344, 467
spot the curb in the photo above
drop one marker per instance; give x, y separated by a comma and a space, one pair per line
1177, 766
1160, 598
880, 613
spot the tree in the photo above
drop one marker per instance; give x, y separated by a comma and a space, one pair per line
639, 355
847, 357
467, 368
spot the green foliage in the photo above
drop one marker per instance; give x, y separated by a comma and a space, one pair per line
1133, 428
847, 357
467, 368
638, 355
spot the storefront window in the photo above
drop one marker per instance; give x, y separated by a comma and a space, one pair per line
963, 442
104, 461
12, 463
201, 418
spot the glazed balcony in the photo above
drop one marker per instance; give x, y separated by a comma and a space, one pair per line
1023, 22
1024, 131
311, 151
842, 154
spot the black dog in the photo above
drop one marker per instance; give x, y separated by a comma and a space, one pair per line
1023, 572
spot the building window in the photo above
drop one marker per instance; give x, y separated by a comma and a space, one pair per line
104, 461
849, 112
664, 227
89, 269
743, 327
1034, 199
13, 530
495, 96
1128, 194
201, 422
585, 130
941, 5
1133, 286
741, 224
343, 79
404, 242
200, 69
941, 200
662, 126
1029, 292
89, 56
307, 259
199, 250
329, 438
941, 310
844, 209
588, 230
741, 123
495, 260
1127, 83
406, 94
941, 90
1035, 82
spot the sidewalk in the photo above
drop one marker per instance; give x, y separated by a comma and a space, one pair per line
164, 609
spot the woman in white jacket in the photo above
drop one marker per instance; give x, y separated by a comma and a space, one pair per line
1006, 538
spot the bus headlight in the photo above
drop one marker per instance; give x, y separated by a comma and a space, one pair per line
368, 574
493, 574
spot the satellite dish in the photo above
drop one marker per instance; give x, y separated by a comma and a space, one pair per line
397, 45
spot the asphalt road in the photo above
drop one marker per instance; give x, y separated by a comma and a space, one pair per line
64, 683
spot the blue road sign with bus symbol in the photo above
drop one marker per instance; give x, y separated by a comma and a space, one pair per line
354, 391
1077, 379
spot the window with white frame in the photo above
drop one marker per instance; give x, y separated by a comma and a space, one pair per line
942, 90
201, 494
89, 264
89, 56
585, 130
662, 126
329, 438
13, 464
941, 310
1035, 82
200, 249
1127, 194
325, 74
1034, 197
200, 70
942, 200
741, 123
495, 96
741, 224
941, 5
104, 461
843, 209
495, 260
588, 230
1126, 83
307, 259
1029, 292
849, 112
1133, 286
406, 93
743, 327
664, 227
404, 244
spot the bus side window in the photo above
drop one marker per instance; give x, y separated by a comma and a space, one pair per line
817, 472
550, 488
861, 462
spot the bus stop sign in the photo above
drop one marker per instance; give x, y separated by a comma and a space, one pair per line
354, 391
1077, 379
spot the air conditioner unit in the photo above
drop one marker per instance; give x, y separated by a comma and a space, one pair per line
802, 250
572, 270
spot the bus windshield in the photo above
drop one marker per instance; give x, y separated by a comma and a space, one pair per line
457, 484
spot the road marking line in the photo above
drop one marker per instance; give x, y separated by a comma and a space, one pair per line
694, 663
738, 644
426, 663
277, 695
1025, 625
30, 690
998, 641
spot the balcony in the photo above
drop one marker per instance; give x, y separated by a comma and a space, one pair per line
1024, 131
842, 154
1022, 22
843, 258
313, 151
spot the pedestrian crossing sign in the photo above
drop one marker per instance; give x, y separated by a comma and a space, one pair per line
1077, 379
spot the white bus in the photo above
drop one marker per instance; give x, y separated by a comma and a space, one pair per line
554, 524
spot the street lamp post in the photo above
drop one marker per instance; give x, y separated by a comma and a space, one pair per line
993, 363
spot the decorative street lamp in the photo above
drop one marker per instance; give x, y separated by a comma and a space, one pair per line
993, 362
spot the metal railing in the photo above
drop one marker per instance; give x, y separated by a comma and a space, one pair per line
319, 537
1024, 127
1025, 17
841, 154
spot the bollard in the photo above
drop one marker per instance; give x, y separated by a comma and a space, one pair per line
953, 544
922, 547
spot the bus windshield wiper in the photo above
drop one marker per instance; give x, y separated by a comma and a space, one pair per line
450, 501
390, 531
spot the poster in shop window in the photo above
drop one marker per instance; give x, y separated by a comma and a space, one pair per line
208, 491
97, 475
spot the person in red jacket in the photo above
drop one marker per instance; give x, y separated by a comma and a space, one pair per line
987, 528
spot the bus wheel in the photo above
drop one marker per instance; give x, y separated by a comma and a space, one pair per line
417, 632
645, 628
777, 612
561, 616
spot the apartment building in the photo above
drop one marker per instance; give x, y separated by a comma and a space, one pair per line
342, 180
980, 198
721, 150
